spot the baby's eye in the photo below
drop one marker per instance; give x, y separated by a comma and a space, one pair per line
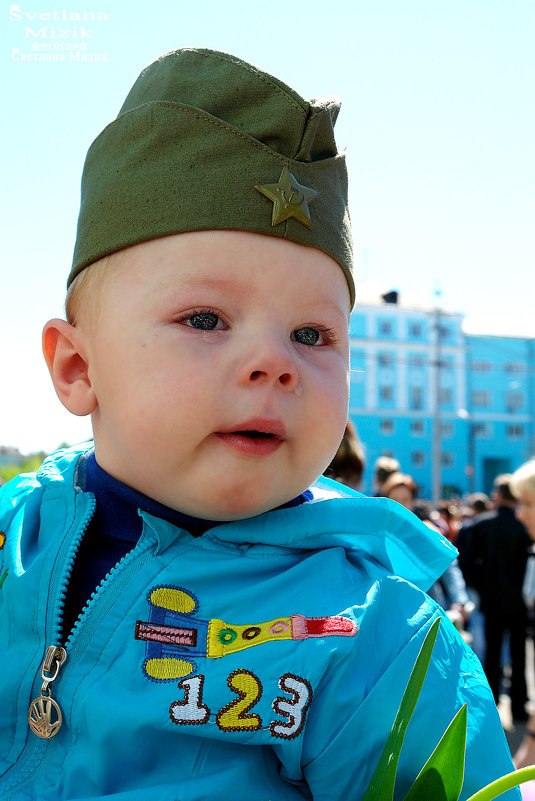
314, 336
204, 321
306, 336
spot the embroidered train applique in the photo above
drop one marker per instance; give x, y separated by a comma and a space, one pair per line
174, 636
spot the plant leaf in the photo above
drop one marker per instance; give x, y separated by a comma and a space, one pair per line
381, 786
441, 778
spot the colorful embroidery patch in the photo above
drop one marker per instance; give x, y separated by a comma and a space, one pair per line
236, 716
2, 540
3, 577
174, 636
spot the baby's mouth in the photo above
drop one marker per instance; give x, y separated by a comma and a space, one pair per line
261, 441
255, 434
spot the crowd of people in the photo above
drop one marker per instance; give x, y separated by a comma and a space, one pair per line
488, 591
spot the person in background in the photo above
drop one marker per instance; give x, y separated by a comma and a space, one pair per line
400, 487
384, 467
449, 590
349, 461
493, 555
448, 519
523, 488
480, 503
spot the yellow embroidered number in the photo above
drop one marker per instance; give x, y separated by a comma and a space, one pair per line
235, 716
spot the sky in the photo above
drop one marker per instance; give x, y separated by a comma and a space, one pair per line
437, 121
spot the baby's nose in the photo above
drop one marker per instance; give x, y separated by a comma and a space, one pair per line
285, 378
272, 363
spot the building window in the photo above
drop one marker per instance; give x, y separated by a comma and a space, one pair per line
445, 395
481, 398
446, 459
385, 360
386, 393
387, 426
416, 361
513, 368
444, 332
385, 327
417, 427
514, 401
515, 432
446, 429
416, 398
417, 458
481, 367
481, 430
415, 330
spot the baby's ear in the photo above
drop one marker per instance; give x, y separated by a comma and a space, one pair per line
68, 365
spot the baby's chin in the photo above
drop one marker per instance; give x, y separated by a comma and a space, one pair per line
236, 508
237, 512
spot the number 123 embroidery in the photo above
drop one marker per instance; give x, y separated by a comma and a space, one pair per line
236, 715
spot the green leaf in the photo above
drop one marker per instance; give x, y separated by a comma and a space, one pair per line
381, 786
441, 778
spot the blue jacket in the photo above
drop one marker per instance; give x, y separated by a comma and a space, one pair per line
264, 660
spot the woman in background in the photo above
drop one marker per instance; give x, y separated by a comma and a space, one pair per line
522, 486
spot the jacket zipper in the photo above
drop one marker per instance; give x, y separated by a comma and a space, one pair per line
35, 758
44, 710
44, 715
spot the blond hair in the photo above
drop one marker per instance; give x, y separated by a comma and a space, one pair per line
83, 295
523, 479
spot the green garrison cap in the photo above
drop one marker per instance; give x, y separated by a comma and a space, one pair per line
206, 141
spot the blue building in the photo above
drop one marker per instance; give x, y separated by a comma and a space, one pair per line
455, 410
501, 402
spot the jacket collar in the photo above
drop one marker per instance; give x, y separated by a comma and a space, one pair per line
376, 529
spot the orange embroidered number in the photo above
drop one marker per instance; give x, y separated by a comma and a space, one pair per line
235, 716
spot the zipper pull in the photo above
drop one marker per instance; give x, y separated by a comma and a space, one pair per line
44, 714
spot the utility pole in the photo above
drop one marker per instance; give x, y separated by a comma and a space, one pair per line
436, 452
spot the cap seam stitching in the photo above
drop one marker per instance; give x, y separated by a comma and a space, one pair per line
257, 75
224, 126
211, 120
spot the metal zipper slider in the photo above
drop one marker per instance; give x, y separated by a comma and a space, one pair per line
44, 714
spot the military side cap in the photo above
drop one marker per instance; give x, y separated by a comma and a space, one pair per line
206, 141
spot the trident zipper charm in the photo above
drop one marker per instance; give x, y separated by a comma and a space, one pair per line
44, 714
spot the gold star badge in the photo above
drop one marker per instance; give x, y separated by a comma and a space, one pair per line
290, 199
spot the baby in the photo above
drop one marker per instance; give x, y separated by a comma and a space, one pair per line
188, 612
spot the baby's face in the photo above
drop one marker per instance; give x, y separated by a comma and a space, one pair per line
220, 368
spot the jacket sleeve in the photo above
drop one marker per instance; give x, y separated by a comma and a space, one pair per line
20, 501
454, 586
13, 495
348, 728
